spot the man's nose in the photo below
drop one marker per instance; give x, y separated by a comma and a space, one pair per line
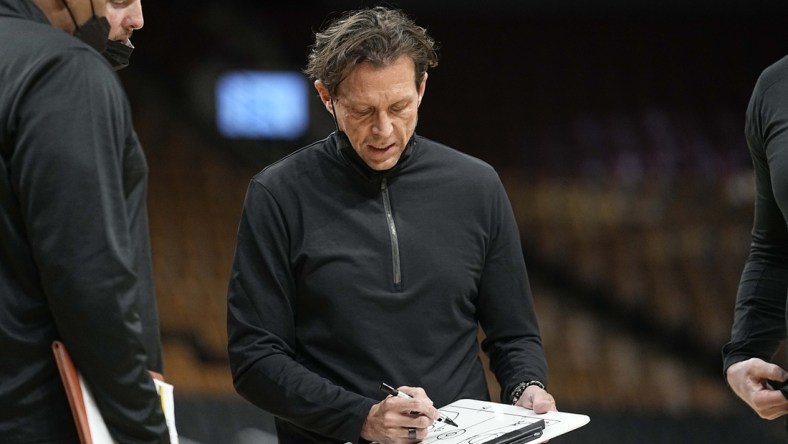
134, 19
383, 124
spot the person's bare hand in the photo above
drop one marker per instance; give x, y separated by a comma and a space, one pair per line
389, 421
536, 399
749, 380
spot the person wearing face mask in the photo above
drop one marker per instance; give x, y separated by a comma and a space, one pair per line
125, 17
75, 259
374, 255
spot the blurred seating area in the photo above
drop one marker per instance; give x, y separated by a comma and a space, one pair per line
648, 236
195, 199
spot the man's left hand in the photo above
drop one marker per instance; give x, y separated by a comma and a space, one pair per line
537, 399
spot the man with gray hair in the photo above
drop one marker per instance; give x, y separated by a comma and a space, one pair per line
373, 256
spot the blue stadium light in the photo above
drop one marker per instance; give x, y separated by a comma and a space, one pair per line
262, 104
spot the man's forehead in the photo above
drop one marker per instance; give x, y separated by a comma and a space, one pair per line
365, 80
373, 94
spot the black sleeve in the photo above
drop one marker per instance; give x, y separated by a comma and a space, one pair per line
261, 330
506, 308
759, 318
68, 171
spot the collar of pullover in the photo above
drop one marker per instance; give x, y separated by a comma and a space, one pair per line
348, 153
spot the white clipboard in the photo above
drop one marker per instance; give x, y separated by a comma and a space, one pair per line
90, 424
482, 421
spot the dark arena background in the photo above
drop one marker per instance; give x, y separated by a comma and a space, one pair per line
616, 126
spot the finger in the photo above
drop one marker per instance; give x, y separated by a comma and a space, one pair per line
775, 373
769, 404
402, 412
415, 433
415, 392
771, 413
764, 370
769, 398
415, 406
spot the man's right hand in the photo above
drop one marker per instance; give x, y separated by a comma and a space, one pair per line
749, 380
389, 420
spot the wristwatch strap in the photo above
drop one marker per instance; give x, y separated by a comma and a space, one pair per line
518, 390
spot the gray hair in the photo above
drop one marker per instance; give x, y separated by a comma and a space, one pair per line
378, 36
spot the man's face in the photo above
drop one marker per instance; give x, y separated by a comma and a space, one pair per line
378, 108
125, 16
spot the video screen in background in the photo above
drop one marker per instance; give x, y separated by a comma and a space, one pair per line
262, 104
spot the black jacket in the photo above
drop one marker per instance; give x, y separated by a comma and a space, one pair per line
760, 317
74, 245
345, 277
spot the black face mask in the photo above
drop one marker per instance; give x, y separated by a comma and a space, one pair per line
94, 32
118, 54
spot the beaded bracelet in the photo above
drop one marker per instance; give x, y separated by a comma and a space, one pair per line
520, 388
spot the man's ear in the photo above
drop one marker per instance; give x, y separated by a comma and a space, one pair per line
325, 96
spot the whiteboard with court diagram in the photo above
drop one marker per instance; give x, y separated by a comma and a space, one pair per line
482, 421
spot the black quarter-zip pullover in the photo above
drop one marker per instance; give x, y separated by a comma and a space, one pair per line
345, 277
